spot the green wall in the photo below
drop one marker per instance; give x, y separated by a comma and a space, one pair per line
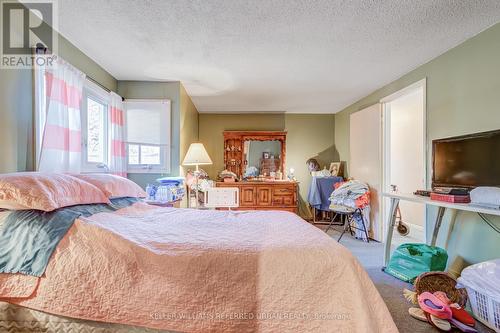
16, 107
188, 124
307, 136
184, 120
463, 96
211, 127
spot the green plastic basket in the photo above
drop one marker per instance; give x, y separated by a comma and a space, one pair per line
412, 259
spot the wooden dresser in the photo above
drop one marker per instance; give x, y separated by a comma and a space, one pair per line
277, 195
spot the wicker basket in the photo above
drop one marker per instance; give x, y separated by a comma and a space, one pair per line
441, 281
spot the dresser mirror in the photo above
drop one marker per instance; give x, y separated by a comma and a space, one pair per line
262, 158
255, 155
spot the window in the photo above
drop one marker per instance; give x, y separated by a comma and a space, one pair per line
148, 135
95, 127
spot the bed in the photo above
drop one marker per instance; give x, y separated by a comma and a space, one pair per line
186, 270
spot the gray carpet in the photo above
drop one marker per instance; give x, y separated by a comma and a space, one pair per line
370, 255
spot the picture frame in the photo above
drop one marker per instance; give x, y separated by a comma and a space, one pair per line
265, 155
335, 168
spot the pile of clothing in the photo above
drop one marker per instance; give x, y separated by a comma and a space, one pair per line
353, 195
439, 311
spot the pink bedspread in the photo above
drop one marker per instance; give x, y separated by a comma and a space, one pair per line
204, 271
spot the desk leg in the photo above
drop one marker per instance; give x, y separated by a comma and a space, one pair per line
391, 222
437, 225
453, 218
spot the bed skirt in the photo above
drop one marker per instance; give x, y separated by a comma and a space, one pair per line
17, 319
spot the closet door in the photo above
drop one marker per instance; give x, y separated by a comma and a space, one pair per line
365, 137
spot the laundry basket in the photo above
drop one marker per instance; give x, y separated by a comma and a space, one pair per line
482, 282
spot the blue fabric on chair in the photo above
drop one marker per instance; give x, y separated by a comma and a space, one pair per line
320, 190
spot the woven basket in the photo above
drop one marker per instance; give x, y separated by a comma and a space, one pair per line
441, 281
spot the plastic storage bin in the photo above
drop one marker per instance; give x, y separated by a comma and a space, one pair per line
412, 259
482, 282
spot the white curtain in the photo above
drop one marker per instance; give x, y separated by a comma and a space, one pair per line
118, 157
58, 95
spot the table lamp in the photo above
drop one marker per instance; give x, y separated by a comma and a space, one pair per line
197, 155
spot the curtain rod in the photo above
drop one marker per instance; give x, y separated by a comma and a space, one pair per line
41, 49
97, 83
94, 81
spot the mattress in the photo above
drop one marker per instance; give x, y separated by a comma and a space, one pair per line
16, 319
203, 271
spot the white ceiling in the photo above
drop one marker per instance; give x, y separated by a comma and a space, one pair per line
309, 56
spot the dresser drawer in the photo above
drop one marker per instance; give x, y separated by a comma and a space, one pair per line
283, 200
283, 191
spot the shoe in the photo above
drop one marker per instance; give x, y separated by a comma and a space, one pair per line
440, 324
443, 297
434, 306
461, 315
417, 313
462, 327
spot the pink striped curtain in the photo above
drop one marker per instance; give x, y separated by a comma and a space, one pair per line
118, 157
61, 146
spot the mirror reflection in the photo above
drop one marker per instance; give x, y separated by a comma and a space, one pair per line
262, 158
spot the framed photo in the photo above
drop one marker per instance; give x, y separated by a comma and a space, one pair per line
265, 155
335, 168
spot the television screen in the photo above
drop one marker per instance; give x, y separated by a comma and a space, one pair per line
467, 161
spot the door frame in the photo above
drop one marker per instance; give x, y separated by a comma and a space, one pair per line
385, 142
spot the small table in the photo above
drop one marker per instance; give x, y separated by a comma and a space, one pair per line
319, 193
175, 203
442, 206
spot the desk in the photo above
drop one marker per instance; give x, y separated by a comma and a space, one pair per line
442, 206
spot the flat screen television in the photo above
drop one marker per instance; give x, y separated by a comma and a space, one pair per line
467, 161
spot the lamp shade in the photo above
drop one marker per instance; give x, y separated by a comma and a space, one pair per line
197, 155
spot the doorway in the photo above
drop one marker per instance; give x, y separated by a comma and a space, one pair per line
404, 157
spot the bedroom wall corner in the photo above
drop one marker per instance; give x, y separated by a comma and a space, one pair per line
309, 136
16, 107
462, 97
188, 126
211, 126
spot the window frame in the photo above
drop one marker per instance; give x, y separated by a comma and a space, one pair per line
165, 149
99, 95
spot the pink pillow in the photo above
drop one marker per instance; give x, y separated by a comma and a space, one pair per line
113, 186
46, 191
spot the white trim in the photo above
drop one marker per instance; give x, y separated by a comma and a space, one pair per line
146, 100
100, 95
40, 114
421, 84
406, 90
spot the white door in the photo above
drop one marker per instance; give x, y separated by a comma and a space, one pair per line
404, 155
365, 158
